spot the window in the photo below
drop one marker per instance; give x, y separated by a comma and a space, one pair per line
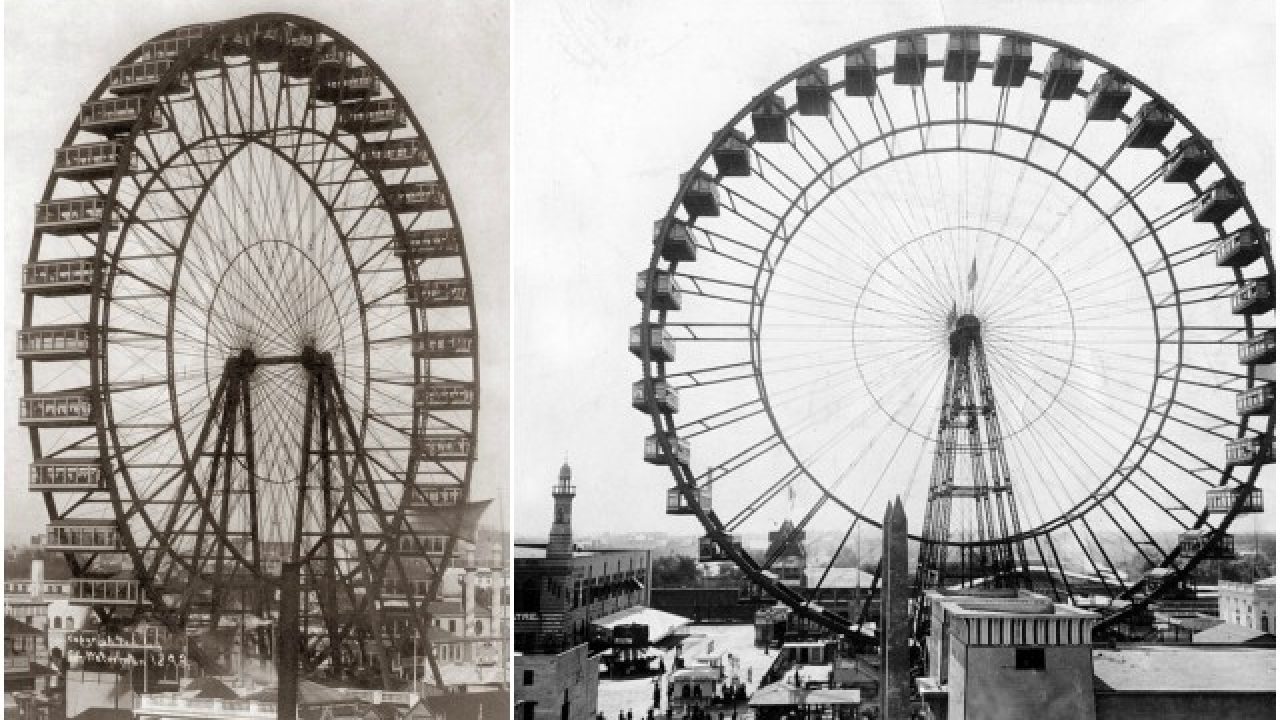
1028, 658
57, 623
528, 677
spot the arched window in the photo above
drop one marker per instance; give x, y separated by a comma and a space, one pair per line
71, 623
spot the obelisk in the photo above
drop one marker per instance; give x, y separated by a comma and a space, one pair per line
895, 628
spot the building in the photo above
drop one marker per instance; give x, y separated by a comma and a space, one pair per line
1008, 656
1023, 656
27, 675
1249, 605
786, 544
44, 604
560, 590
560, 593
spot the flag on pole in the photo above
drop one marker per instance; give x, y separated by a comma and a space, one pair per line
973, 274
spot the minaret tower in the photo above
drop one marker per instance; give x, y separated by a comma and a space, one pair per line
560, 540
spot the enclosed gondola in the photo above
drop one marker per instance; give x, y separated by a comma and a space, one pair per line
1242, 247
444, 344
54, 278
813, 93
84, 535
733, 155
1257, 400
1221, 500
1108, 97
433, 293
1061, 76
113, 116
961, 61
92, 161
72, 216
710, 551
1189, 158
1013, 62
1259, 349
769, 120
677, 505
703, 195
58, 409
1218, 202
666, 293
425, 244
1197, 541
104, 591
144, 77
666, 397
677, 245
658, 341
417, 197
860, 72
79, 475
1251, 450
55, 342
394, 154
372, 116
654, 455
910, 59
1255, 297
1149, 126
439, 447
444, 395
353, 84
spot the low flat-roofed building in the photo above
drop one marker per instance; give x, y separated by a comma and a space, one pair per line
1172, 682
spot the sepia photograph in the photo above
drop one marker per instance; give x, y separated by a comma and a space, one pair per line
256, 448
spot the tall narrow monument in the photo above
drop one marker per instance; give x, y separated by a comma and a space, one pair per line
560, 539
895, 623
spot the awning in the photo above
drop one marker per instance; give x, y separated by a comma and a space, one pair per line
782, 694
660, 624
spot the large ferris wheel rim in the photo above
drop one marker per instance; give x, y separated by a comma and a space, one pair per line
184, 64
667, 220
654, 368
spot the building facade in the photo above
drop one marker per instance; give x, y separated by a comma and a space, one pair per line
1249, 605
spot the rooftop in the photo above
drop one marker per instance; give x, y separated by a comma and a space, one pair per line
1231, 633
838, 578
538, 551
1184, 668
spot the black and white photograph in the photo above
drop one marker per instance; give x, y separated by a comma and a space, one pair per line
922, 352
256, 452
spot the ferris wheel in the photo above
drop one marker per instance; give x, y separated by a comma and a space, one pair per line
986, 272
249, 342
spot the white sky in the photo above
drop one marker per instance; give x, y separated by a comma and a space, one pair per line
615, 99
449, 58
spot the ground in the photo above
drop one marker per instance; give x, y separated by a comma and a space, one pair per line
636, 693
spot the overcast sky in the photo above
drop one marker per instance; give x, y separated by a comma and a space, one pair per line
615, 99
449, 58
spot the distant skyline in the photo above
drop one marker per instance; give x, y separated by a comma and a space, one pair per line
594, 178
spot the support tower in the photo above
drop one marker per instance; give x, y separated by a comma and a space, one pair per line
970, 466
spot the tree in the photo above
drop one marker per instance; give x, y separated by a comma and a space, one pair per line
673, 571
